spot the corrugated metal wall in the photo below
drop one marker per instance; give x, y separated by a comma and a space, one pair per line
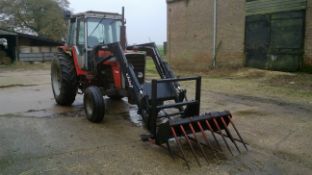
273, 6
274, 37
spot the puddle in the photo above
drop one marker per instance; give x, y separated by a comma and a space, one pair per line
134, 117
16, 85
122, 107
56, 111
44, 113
113, 107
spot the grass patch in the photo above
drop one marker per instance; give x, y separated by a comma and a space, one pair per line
299, 81
267, 84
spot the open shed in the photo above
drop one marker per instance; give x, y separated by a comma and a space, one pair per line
24, 47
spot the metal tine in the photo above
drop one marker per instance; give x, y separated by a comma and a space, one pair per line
237, 131
180, 146
198, 143
213, 134
204, 134
190, 144
228, 132
219, 130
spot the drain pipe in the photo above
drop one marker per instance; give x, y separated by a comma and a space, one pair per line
214, 35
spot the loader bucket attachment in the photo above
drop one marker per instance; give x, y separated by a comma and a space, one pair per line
214, 130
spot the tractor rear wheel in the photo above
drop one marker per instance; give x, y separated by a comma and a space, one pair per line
64, 79
94, 104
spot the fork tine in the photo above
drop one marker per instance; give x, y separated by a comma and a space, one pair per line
229, 134
180, 146
213, 134
236, 130
190, 144
219, 130
198, 143
204, 134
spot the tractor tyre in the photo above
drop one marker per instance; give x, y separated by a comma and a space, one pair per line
94, 104
64, 79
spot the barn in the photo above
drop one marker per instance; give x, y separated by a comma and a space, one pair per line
267, 34
23, 47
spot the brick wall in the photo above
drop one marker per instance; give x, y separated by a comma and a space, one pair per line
190, 33
308, 35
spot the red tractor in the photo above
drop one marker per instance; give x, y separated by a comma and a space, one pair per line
96, 61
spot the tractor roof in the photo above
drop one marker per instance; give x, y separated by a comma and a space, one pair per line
96, 14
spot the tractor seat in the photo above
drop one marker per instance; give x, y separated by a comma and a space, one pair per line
165, 91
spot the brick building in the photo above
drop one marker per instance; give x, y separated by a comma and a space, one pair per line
269, 34
190, 33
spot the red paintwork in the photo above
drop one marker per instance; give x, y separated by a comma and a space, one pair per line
116, 72
115, 66
75, 58
103, 53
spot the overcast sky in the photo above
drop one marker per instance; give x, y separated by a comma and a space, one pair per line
146, 19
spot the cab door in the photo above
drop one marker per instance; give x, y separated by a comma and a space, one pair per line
81, 43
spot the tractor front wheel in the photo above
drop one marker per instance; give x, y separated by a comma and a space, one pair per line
94, 104
63, 79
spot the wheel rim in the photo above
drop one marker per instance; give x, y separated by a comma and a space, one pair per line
56, 80
89, 106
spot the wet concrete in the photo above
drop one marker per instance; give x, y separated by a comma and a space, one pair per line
39, 137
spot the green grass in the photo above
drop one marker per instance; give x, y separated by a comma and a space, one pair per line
150, 66
161, 51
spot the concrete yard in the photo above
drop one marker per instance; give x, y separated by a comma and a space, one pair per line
272, 110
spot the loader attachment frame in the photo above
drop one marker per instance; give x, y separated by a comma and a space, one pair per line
183, 126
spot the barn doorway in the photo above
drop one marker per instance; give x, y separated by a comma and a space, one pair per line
275, 41
4, 51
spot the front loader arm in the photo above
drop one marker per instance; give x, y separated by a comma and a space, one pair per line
152, 51
132, 82
162, 67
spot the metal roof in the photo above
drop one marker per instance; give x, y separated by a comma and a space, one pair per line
5, 32
273, 6
98, 14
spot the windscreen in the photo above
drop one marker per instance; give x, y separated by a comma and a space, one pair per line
103, 31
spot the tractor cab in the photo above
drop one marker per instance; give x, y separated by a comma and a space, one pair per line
90, 29
88, 35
